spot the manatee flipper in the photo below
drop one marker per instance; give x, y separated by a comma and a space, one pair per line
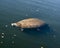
22, 29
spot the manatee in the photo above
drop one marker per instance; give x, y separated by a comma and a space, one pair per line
29, 23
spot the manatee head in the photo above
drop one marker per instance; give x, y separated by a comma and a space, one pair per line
16, 24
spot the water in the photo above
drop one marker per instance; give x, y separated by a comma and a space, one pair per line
15, 10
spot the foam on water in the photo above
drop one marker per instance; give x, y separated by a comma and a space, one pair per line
2, 36
6, 26
3, 33
1, 42
42, 47
14, 35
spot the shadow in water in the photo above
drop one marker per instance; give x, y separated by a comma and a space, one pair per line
40, 30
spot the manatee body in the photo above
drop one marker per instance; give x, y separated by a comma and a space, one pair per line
29, 23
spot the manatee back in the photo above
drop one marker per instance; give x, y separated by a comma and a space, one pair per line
30, 23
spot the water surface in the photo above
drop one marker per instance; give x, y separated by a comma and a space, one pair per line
15, 10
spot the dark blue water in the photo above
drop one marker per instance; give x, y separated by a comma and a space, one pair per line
15, 10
